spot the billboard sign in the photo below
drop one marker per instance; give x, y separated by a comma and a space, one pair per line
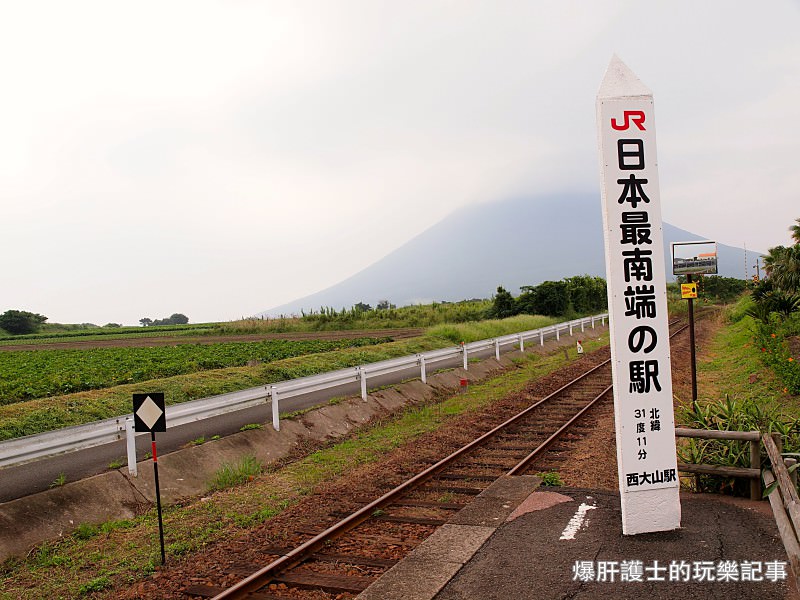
694, 258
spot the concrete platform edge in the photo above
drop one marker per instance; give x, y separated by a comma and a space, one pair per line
444, 553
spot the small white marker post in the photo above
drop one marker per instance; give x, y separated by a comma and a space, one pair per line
637, 304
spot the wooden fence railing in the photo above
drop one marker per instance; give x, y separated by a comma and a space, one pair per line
753, 473
783, 499
785, 503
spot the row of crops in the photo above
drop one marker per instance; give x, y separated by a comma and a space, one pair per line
38, 374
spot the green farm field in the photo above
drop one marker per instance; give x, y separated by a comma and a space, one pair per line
42, 373
47, 389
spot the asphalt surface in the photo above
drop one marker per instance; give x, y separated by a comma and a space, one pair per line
526, 558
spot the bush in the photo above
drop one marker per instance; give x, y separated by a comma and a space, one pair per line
772, 339
19, 322
732, 415
229, 475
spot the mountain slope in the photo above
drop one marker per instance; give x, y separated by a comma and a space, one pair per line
511, 243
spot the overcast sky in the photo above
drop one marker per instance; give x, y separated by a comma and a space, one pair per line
218, 159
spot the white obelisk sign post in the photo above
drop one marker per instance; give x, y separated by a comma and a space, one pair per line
637, 304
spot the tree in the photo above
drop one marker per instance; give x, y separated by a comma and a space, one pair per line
782, 265
795, 229
383, 305
362, 307
19, 322
551, 298
146, 322
503, 304
178, 319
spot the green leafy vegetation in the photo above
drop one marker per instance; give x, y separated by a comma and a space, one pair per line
40, 373
95, 585
737, 391
362, 316
45, 414
481, 330
569, 297
175, 319
58, 332
251, 426
59, 481
18, 322
733, 415
128, 550
551, 479
230, 474
776, 311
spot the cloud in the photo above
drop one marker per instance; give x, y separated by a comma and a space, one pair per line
217, 158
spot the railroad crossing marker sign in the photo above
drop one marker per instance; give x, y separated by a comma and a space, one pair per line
688, 290
149, 413
637, 304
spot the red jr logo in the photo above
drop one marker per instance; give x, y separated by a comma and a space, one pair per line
631, 116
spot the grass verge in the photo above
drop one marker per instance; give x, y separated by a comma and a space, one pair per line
105, 560
736, 391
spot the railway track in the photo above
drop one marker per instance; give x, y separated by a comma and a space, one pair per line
349, 551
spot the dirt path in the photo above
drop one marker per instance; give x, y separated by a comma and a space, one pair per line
593, 461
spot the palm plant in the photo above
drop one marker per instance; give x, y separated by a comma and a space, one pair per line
772, 258
783, 303
785, 271
795, 230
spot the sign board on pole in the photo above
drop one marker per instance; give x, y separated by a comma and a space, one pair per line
694, 258
149, 413
688, 290
637, 303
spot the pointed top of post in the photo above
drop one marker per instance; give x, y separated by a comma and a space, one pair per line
620, 81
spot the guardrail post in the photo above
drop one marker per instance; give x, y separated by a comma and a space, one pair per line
464, 350
541, 337
496, 349
276, 421
130, 438
593, 322
583, 322
521, 343
558, 336
570, 329
422, 374
755, 463
362, 373
603, 321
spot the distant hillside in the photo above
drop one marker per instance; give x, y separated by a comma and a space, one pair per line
511, 243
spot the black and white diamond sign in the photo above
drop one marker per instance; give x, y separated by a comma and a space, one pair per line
149, 413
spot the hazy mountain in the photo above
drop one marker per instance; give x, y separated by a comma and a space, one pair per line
511, 243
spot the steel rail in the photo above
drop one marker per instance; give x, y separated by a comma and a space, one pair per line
302, 552
522, 465
526, 462
297, 555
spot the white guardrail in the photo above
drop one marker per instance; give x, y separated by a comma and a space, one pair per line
80, 437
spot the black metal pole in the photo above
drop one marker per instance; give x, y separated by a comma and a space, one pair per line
691, 344
158, 498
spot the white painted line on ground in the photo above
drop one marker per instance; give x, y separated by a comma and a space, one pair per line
576, 521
